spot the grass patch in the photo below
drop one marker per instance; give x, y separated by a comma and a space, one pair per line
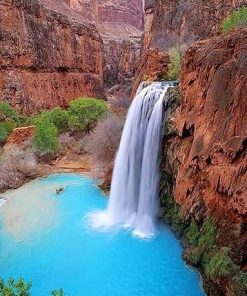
237, 19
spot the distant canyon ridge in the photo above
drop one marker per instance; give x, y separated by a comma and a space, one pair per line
54, 51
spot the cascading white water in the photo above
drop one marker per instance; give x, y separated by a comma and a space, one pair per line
135, 183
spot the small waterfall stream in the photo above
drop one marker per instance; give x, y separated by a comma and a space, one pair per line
135, 184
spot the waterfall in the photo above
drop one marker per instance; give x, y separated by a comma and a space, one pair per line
135, 183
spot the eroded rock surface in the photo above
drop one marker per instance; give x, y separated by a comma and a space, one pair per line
152, 65
208, 157
53, 51
170, 23
47, 57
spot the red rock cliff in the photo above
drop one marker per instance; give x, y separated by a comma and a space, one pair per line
169, 23
48, 55
120, 24
209, 157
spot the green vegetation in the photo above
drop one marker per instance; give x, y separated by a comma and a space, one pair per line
20, 288
3, 133
60, 119
81, 116
239, 286
58, 293
15, 288
172, 214
85, 112
237, 19
9, 119
220, 264
192, 233
46, 137
174, 67
202, 249
9, 113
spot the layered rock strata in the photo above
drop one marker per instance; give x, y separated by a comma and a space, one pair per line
47, 57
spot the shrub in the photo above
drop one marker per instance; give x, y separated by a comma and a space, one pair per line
17, 164
192, 233
104, 141
3, 133
203, 242
15, 288
85, 112
239, 286
8, 112
21, 288
66, 141
220, 264
5, 130
59, 292
22, 161
236, 19
59, 118
174, 67
172, 213
45, 137
207, 240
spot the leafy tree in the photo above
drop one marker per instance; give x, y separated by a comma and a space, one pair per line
59, 118
237, 19
46, 137
85, 112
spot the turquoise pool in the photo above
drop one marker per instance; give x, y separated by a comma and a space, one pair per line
46, 238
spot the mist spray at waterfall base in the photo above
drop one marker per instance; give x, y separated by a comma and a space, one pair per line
134, 192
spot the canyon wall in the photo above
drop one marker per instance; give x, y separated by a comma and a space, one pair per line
179, 23
54, 51
47, 57
171, 23
127, 13
120, 24
206, 154
205, 150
